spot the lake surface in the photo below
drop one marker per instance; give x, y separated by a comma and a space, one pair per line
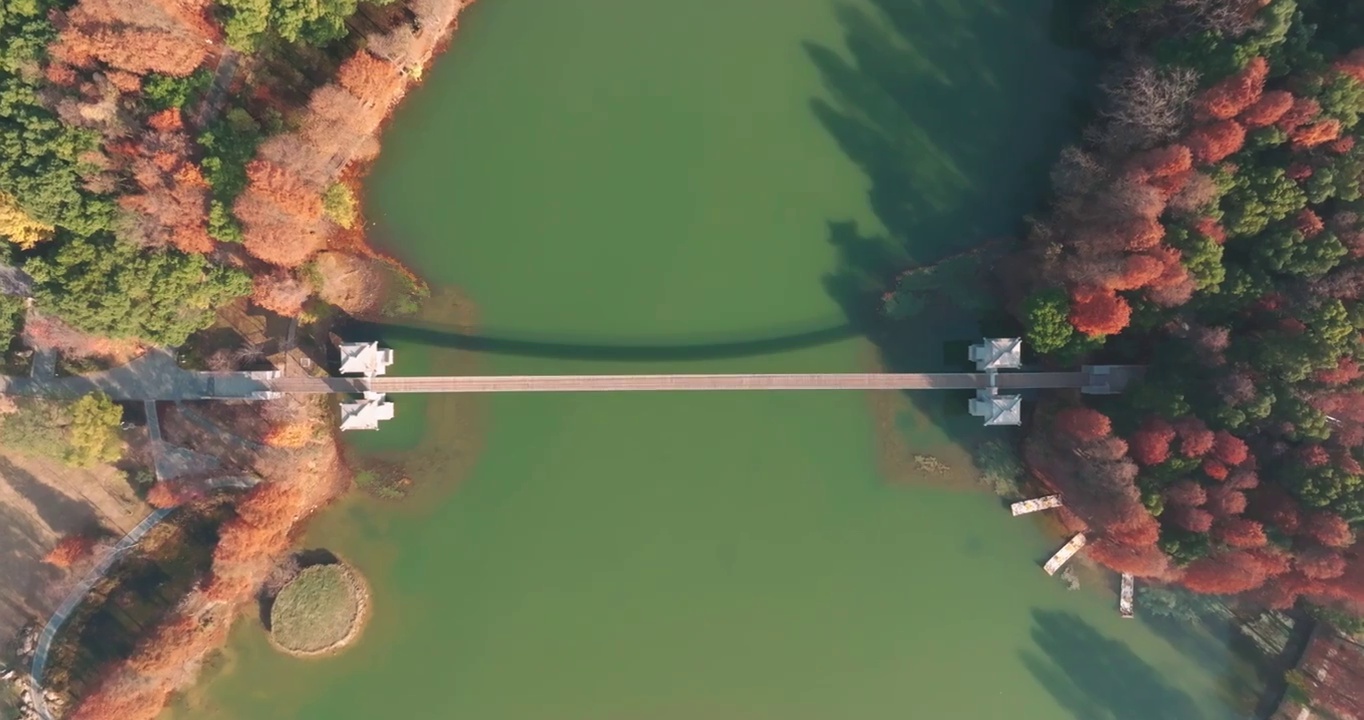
651, 186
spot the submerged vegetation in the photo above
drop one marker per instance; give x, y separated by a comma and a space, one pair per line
385, 483
999, 468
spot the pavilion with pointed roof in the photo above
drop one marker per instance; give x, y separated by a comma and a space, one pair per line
996, 409
366, 413
997, 354
364, 358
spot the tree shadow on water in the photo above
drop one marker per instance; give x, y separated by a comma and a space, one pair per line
953, 111
1098, 678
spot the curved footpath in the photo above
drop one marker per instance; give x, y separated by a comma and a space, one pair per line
73, 599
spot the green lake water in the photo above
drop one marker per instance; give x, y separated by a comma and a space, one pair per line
648, 186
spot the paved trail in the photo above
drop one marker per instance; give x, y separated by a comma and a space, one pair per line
73, 599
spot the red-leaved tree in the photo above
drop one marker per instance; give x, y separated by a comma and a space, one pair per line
1161, 162
1303, 110
1319, 563
1097, 312
1268, 110
1195, 439
1083, 423
172, 37
70, 550
1193, 519
1314, 134
1214, 142
1224, 574
1230, 97
1327, 528
1229, 449
1150, 445
1239, 532
1186, 493
1136, 271
1140, 560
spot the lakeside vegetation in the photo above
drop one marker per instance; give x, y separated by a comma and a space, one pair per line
150, 172
284, 277
139, 593
1210, 225
160, 161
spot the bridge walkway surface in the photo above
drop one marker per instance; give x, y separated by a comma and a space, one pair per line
157, 376
713, 382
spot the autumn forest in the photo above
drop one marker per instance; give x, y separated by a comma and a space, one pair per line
160, 159
1211, 226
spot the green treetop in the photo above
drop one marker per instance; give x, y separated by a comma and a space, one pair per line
93, 434
112, 288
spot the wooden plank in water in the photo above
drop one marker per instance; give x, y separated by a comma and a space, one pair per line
1125, 601
1065, 553
1023, 507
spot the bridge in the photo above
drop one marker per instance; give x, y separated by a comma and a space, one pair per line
1080, 380
157, 377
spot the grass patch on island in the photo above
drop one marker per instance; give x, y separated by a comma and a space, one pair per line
317, 611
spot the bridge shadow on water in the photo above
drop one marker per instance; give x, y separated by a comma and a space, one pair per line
953, 112
949, 111
550, 347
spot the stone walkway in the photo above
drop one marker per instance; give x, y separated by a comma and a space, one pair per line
44, 365
154, 376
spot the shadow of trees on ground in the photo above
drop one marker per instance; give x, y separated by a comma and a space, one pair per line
22, 545
1098, 678
61, 512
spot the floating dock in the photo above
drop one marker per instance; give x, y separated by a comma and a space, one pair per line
1065, 553
1125, 596
1023, 507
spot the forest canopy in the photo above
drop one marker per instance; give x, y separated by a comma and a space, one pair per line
136, 164
111, 288
1211, 227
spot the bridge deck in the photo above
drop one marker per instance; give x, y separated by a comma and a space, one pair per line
157, 376
626, 383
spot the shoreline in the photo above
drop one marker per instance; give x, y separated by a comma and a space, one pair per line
310, 478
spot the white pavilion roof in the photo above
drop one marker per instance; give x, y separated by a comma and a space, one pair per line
998, 353
997, 409
364, 359
365, 414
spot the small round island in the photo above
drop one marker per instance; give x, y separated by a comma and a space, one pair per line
320, 611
